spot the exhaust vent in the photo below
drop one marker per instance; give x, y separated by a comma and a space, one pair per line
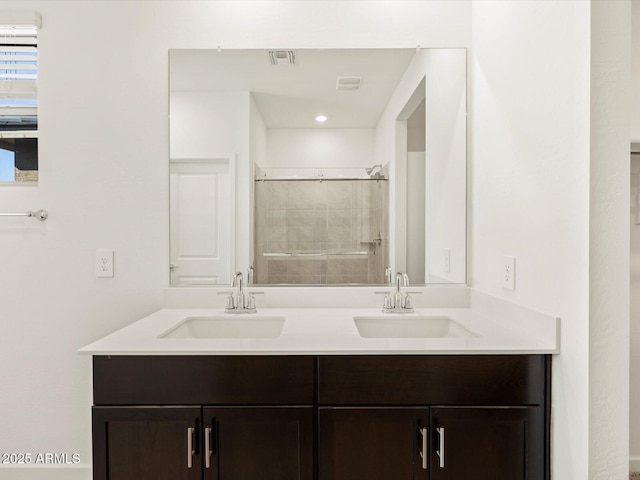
348, 83
282, 58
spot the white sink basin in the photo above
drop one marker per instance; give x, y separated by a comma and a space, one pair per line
227, 327
410, 326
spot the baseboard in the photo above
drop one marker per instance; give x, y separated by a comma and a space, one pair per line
634, 464
45, 472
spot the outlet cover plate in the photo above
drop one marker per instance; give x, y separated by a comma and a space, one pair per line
509, 273
104, 263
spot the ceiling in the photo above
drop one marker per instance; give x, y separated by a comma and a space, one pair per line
292, 96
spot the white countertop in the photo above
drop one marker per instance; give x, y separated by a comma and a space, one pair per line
332, 331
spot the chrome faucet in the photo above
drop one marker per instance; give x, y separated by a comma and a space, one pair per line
397, 302
388, 275
241, 303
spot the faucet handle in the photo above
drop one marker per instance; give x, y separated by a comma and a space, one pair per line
408, 303
230, 303
251, 302
387, 302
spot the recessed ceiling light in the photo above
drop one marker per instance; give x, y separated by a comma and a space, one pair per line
321, 118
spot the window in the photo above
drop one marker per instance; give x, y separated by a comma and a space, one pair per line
18, 97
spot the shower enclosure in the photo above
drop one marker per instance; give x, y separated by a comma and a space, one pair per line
327, 231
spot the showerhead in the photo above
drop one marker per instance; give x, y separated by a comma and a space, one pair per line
371, 169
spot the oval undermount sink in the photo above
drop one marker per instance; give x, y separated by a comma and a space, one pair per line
413, 326
227, 327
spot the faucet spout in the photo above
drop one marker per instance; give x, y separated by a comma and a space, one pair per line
238, 303
397, 302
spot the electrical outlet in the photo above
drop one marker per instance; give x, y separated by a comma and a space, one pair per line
447, 260
104, 263
509, 273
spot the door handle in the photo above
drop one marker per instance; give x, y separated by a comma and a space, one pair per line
440, 451
207, 447
190, 450
423, 452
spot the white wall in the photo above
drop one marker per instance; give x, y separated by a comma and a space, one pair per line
634, 367
320, 147
634, 439
635, 72
530, 187
609, 240
541, 194
104, 179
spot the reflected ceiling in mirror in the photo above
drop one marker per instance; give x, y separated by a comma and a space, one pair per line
380, 181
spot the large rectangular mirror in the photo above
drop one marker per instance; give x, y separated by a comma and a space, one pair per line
318, 167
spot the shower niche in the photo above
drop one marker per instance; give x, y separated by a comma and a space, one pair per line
322, 231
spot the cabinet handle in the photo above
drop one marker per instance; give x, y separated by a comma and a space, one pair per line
423, 453
207, 447
190, 450
440, 451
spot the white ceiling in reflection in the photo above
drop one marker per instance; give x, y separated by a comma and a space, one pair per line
291, 97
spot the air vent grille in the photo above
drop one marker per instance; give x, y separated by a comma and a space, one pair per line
282, 58
348, 83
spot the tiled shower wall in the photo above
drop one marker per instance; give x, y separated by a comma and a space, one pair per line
321, 232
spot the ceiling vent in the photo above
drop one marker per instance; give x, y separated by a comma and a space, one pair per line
348, 83
282, 58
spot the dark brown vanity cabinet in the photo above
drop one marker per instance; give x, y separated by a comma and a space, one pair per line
321, 418
434, 417
195, 418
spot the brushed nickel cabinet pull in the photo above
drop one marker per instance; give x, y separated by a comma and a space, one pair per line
207, 447
190, 450
440, 450
423, 453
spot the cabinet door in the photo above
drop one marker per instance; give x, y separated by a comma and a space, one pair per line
265, 443
146, 443
487, 443
372, 443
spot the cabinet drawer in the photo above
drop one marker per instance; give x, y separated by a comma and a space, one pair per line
432, 379
197, 380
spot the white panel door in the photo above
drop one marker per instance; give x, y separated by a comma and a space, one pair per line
202, 202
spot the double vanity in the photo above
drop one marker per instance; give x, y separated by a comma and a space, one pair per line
429, 383
327, 393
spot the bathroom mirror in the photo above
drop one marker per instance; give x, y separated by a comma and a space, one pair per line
318, 167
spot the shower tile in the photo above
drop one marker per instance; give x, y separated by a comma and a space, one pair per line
339, 279
304, 279
362, 231
362, 194
360, 266
300, 234
340, 266
304, 267
302, 194
339, 194
277, 267
360, 278
277, 280
277, 234
321, 195
276, 218
320, 225
339, 225
278, 194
